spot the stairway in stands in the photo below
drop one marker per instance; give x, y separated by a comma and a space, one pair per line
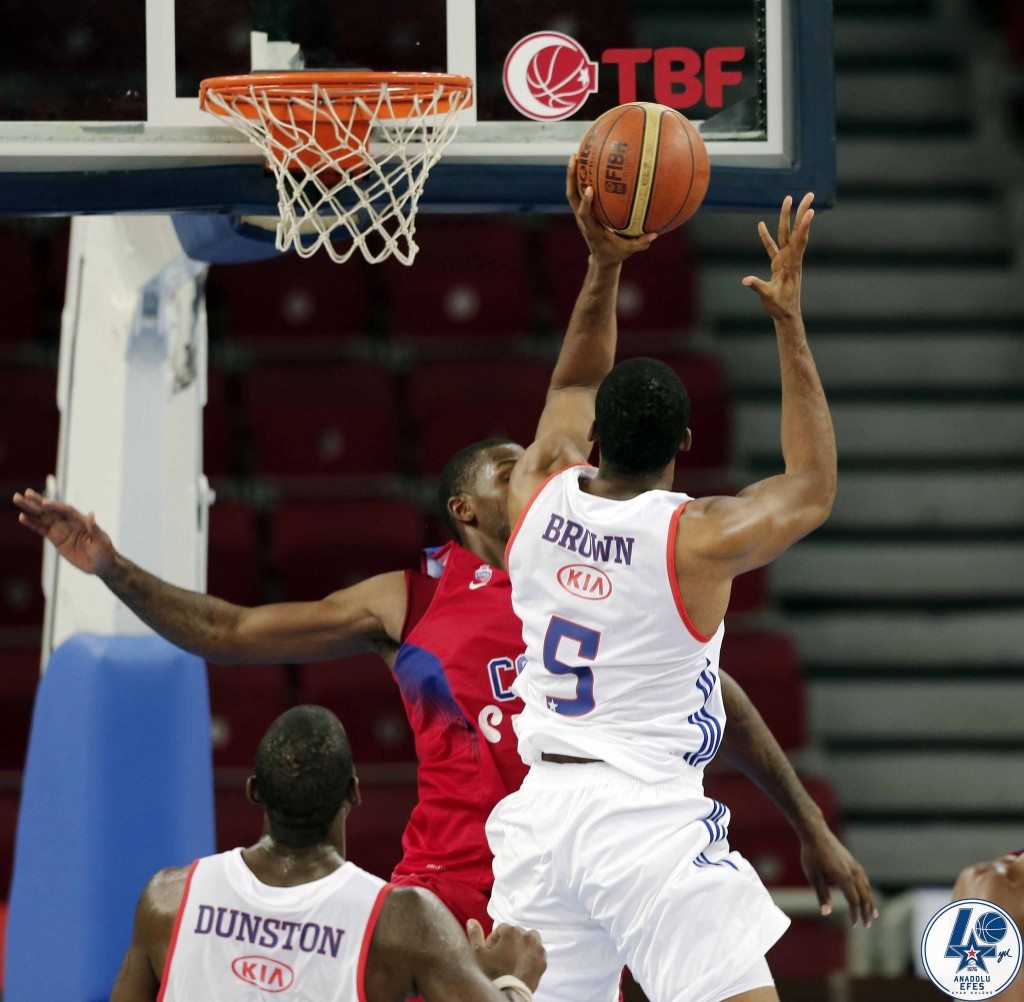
909, 605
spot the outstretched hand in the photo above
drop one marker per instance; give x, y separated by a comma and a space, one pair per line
77, 537
606, 246
827, 863
780, 296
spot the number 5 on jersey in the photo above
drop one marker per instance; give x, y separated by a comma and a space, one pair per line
587, 642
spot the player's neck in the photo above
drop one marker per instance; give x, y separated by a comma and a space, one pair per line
489, 550
279, 865
618, 487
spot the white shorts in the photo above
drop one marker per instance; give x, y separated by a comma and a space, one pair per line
615, 872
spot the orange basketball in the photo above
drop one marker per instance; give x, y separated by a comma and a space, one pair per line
648, 167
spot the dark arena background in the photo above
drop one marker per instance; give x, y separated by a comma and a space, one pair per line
885, 652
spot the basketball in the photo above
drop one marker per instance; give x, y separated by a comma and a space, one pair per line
991, 927
648, 167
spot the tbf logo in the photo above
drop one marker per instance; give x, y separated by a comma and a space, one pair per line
549, 76
971, 949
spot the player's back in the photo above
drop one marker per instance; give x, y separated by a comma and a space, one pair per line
238, 939
615, 670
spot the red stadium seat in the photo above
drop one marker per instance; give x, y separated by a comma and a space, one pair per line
321, 546
234, 568
239, 822
456, 405
28, 447
21, 563
218, 427
760, 832
19, 676
19, 286
767, 666
290, 299
316, 420
244, 701
8, 825
812, 949
657, 293
375, 827
470, 280
361, 691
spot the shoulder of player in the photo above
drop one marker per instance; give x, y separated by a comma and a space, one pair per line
161, 899
548, 454
405, 916
382, 598
709, 526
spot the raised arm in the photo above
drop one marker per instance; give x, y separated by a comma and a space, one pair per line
588, 349
720, 538
367, 616
418, 948
750, 746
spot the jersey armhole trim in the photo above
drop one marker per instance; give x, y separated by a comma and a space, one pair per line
529, 504
673, 578
364, 950
165, 980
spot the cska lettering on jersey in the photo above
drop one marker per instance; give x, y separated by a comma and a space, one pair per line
572, 536
270, 933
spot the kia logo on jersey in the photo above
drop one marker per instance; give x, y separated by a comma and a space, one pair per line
264, 972
549, 76
585, 581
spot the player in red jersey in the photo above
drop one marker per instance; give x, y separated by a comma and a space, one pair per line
452, 640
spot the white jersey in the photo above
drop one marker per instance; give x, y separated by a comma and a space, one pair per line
615, 670
238, 940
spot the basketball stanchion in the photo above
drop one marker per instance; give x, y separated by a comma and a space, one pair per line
350, 151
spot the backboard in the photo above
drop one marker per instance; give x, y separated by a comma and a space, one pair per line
112, 123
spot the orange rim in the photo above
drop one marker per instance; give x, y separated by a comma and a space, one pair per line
340, 87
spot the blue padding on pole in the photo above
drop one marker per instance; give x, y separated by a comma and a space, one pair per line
118, 783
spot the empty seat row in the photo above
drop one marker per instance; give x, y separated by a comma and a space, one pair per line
474, 278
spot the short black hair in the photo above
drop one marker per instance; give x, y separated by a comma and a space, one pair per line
642, 412
459, 473
303, 773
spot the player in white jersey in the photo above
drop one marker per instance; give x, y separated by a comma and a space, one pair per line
291, 918
610, 849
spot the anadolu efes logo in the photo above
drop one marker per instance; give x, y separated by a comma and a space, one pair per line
549, 76
264, 972
585, 581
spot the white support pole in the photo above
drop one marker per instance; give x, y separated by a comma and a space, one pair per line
131, 392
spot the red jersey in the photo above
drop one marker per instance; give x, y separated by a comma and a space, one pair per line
462, 648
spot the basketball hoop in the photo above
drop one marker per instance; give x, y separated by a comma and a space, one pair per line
350, 151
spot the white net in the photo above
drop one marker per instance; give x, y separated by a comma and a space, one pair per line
350, 163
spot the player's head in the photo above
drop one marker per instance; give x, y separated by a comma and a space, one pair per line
304, 776
473, 491
641, 416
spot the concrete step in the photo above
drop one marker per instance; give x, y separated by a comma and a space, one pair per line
927, 852
890, 431
947, 162
902, 96
974, 711
929, 501
831, 292
941, 782
885, 361
917, 572
884, 225
901, 639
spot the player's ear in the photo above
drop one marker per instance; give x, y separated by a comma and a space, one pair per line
592, 434
354, 795
684, 445
461, 508
252, 791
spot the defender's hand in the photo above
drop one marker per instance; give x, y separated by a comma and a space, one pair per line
781, 295
77, 537
828, 863
508, 950
606, 246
